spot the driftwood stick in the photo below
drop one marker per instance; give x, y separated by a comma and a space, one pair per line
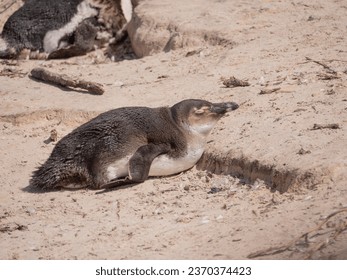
326, 126
321, 64
269, 90
339, 60
323, 76
65, 81
292, 244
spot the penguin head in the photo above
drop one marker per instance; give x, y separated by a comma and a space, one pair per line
200, 116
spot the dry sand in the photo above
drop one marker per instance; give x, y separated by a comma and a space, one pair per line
291, 173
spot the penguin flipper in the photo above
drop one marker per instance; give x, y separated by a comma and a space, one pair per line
67, 52
117, 183
140, 162
139, 165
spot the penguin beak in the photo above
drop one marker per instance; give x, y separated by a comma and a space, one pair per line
222, 108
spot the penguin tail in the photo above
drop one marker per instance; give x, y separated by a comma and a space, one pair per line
46, 177
52, 175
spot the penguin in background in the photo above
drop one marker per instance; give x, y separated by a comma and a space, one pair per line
51, 29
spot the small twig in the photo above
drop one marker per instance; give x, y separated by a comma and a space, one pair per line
321, 245
12, 72
118, 210
9, 227
269, 90
323, 76
341, 228
292, 244
234, 82
339, 60
65, 81
316, 248
321, 64
326, 126
244, 102
9, 62
269, 251
190, 53
327, 218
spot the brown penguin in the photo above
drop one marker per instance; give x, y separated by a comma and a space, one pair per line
127, 145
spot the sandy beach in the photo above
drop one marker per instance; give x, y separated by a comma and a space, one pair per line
272, 181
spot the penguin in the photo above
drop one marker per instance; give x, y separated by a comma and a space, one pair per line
127, 145
52, 29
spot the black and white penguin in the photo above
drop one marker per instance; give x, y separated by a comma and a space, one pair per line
64, 28
127, 145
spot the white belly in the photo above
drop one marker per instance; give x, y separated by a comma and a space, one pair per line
118, 169
164, 165
52, 38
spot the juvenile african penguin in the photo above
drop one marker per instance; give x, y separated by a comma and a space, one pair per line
127, 145
64, 28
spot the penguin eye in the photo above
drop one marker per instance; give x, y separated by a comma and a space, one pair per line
199, 111
202, 110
